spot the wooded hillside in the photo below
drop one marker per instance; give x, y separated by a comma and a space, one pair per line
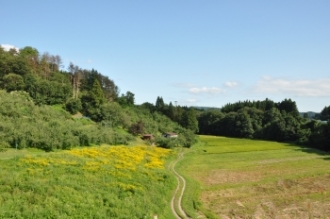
38, 96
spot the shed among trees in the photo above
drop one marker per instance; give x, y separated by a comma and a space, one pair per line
170, 135
147, 137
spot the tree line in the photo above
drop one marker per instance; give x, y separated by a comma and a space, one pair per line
267, 120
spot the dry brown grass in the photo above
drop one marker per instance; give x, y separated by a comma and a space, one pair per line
303, 198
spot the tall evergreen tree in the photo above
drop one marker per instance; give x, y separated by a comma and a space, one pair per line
96, 94
160, 105
171, 111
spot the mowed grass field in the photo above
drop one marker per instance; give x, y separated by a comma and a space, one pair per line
240, 178
94, 182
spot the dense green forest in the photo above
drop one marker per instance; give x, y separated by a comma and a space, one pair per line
267, 120
43, 105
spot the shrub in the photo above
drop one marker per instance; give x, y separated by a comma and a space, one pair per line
137, 128
3, 146
73, 105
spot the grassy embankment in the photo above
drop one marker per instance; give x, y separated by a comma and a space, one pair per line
240, 178
94, 182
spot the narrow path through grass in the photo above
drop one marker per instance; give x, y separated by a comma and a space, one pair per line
176, 202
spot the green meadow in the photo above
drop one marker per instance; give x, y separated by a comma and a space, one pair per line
241, 178
94, 182
225, 178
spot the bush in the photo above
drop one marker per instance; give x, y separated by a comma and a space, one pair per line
3, 146
167, 142
73, 105
137, 128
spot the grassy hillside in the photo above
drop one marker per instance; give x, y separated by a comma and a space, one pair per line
94, 182
239, 178
23, 124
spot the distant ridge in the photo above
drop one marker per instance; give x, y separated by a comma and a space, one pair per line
206, 108
310, 114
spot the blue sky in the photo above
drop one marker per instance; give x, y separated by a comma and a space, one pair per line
198, 53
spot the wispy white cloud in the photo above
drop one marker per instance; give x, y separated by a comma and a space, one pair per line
89, 61
301, 88
7, 47
231, 84
206, 90
191, 100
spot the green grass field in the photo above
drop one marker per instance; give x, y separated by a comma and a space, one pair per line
240, 178
95, 182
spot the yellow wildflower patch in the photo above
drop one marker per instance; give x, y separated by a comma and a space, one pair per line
112, 160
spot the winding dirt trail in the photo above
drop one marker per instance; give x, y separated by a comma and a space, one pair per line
176, 205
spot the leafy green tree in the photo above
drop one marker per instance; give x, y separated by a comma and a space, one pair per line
13, 82
268, 104
275, 130
320, 136
189, 120
292, 127
11, 62
256, 116
243, 125
130, 98
127, 100
289, 106
31, 55
30, 85
113, 115
227, 125
271, 115
110, 90
325, 114
149, 106
207, 122
60, 77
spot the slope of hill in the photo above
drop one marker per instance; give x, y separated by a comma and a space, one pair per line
94, 182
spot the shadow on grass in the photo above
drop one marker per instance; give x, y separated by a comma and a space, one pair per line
324, 154
303, 148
